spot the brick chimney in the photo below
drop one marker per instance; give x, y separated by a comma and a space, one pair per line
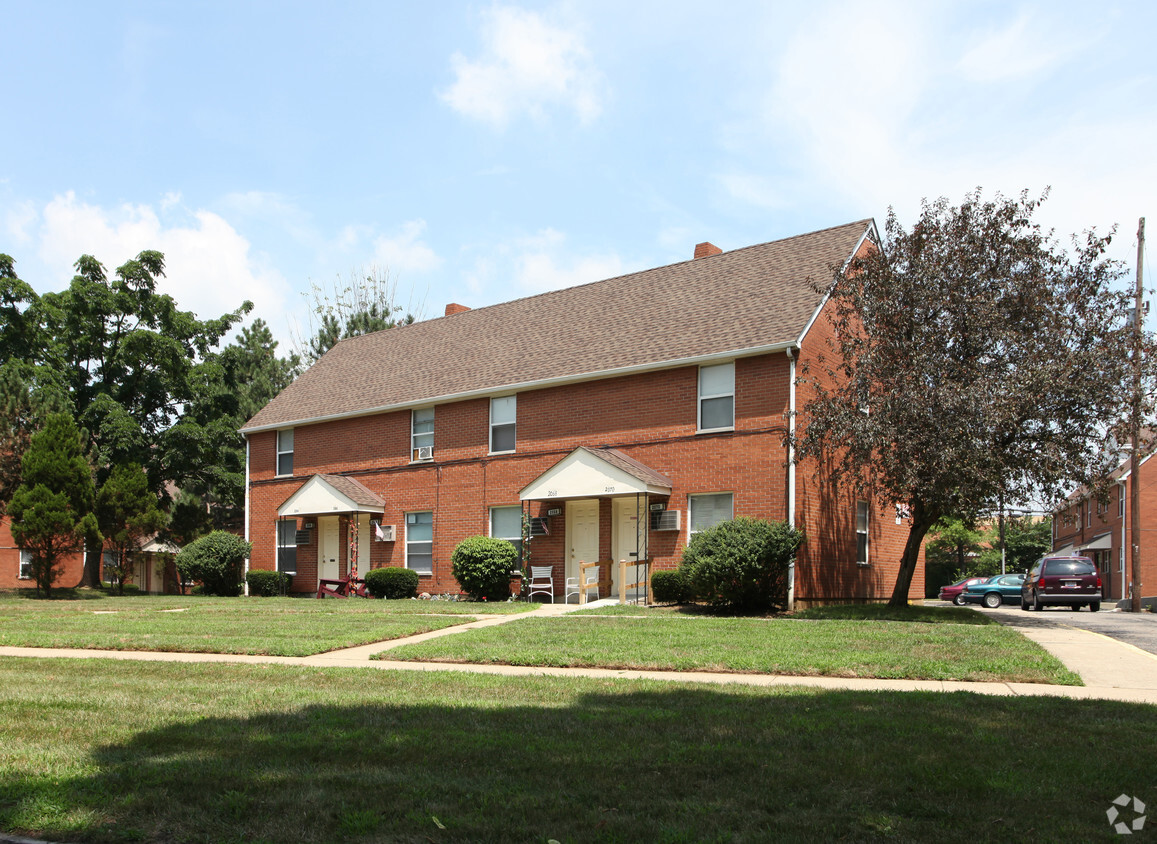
455, 308
706, 250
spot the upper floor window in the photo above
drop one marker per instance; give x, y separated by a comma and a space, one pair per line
285, 452
1120, 501
1088, 514
862, 532
422, 434
25, 565
420, 542
709, 510
506, 523
717, 397
503, 421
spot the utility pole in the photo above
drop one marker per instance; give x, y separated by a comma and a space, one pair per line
1135, 459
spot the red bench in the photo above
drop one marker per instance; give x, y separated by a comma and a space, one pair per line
343, 588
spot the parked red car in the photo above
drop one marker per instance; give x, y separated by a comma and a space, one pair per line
952, 593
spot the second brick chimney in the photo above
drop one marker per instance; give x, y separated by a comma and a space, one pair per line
455, 308
706, 250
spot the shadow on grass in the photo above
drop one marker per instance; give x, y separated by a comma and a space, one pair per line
529, 760
882, 612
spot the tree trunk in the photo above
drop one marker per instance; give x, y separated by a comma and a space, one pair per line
921, 523
91, 576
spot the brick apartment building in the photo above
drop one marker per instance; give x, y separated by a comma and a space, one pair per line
620, 416
14, 564
1103, 531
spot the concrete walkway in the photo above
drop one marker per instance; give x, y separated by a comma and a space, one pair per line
1111, 670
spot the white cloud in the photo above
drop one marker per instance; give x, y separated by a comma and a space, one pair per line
405, 250
1021, 48
19, 219
536, 264
209, 266
528, 64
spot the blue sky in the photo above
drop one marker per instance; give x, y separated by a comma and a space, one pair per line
482, 152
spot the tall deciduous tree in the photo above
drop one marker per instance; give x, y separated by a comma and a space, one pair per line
974, 358
52, 508
127, 512
365, 302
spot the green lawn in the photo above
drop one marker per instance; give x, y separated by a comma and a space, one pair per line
276, 626
124, 752
889, 649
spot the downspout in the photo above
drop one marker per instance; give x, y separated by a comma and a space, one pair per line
246, 580
791, 472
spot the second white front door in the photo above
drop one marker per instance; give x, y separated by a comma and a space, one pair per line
582, 534
328, 547
629, 518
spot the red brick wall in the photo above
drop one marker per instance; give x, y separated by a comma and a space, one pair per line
70, 572
649, 416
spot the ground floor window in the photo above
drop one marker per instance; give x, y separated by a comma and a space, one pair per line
506, 523
862, 533
420, 541
287, 546
25, 565
110, 567
709, 510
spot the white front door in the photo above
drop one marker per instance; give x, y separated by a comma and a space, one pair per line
582, 534
629, 537
328, 547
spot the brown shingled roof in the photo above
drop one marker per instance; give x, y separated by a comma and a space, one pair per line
740, 300
630, 465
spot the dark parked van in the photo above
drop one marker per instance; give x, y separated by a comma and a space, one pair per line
1062, 581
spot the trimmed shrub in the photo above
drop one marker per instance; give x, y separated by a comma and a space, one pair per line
267, 584
392, 582
672, 587
482, 567
216, 561
742, 564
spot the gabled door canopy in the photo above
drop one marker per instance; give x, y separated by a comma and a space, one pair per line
596, 473
328, 494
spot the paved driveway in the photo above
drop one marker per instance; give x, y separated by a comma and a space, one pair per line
1137, 629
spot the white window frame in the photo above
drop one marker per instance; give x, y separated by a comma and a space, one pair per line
410, 542
1121, 502
281, 452
513, 424
421, 439
864, 508
1088, 512
24, 572
704, 397
279, 544
691, 499
516, 540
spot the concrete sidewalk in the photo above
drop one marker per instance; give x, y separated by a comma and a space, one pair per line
1110, 669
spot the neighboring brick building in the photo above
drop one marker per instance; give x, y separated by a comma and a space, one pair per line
620, 415
14, 572
1104, 531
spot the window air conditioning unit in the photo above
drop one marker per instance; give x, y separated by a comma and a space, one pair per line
425, 452
382, 533
540, 527
666, 520
301, 537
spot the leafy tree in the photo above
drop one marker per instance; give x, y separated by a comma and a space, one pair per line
953, 547
52, 508
208, 452
128, 361
365, 303
127, 513
1026, 540
974, 359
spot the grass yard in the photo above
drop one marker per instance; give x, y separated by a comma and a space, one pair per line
274, 626
152, 752
841, 648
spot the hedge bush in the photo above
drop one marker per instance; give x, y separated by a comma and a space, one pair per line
392, 583
267, 584
216, 561
672, 587
482, 567
742, 564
